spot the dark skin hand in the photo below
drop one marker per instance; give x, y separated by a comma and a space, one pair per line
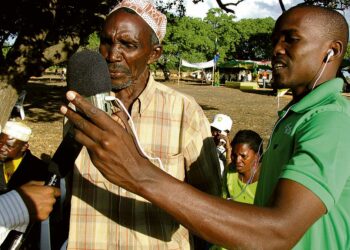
217, 136
227, 147
39, 199
222, 222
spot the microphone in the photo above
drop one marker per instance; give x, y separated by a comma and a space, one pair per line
87, 74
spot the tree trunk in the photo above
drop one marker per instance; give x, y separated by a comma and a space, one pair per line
28, 59
8, 98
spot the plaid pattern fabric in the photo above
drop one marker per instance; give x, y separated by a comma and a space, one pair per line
171, 126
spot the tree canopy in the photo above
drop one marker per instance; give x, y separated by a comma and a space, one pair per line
197, 40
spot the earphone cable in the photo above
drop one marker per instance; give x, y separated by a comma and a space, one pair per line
132, 125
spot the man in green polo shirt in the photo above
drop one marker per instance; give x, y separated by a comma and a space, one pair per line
310, 143
303, 196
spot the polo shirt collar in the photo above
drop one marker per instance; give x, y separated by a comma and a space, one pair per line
318, 95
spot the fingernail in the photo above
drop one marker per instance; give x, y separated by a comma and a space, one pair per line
63, 109
71, 95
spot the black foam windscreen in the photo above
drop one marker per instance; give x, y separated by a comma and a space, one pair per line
87, 73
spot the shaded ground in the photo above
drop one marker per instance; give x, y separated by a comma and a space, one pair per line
249, 110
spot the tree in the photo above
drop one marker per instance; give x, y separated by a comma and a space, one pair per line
228, 6
225, 33
197, 40
255, 38
187, 38
338, 4
347, 53
47, 33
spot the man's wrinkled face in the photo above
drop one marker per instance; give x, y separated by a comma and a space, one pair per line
10, 148
298, 44
126, 46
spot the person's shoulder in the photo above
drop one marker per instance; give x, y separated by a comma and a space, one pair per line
331, 116
30, 168
344, 104
337, 104
166, 90
30, 158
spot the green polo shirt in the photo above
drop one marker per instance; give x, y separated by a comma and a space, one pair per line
311, 145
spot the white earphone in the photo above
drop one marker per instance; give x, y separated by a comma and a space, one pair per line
330, 53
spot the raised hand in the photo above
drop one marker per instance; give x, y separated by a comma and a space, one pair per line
39, 199
110, 146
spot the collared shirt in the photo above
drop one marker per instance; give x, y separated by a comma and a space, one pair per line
310, 145
221, 151
13, 214
237, 190
9, 167
172, 126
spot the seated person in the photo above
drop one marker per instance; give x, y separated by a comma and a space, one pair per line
220, 129
16, 158
22, 200
242, 175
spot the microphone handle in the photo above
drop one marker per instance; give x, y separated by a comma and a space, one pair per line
99, 101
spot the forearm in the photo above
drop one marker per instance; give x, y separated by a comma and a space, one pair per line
222, 222
13, 214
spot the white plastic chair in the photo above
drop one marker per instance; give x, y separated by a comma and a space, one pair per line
19, 104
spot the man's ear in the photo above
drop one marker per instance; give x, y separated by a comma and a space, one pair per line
156, 53
337, 48
25, 147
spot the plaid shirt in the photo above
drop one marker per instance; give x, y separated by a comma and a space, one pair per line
171, 126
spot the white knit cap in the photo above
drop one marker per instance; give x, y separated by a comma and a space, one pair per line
148, 12
17, 130
222, 122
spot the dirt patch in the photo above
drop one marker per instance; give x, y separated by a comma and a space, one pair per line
256, 110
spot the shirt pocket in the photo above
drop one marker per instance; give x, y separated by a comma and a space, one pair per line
174, 165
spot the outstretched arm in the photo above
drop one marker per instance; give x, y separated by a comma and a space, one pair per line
222, 222
31, 202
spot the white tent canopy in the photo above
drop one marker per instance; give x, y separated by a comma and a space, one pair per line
200, 65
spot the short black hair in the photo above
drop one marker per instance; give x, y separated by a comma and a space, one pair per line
332, 22
249, 137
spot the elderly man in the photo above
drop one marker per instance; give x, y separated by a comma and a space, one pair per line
169, 125
22, 199
303, 195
